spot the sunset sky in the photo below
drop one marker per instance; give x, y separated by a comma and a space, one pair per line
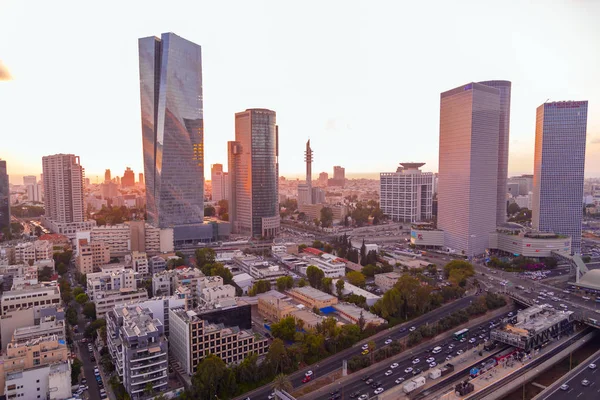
361, 79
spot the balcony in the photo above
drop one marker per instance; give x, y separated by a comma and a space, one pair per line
141, 365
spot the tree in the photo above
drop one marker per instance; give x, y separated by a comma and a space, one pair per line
225, 217
302, 282
356, 278
282, 383
94, 327
370, 270
586, 259
339, 287
315, 276
45, 274
61, 269
71, 315
77, 291
82, 298
326, 217
223, 207
277, 355
301, 247
513, 208
209, 211
219, 270
285, 329
259, 287
361, 322
89, 310
75, 371
363, 253
284, 283
205, 256
326, 284
209, 380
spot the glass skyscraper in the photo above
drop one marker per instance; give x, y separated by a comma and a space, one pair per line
172, 130
558, 169
4, 197
254, 174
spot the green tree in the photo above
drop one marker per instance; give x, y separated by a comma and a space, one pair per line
302, 282
285, 329
301, 247
277, 356
326, 217
78, 291
326, 285
315, 276
61, 269
209, 211
586, 259
223, 206
45, 274
284, 283
71, 316
513, 208
205, 256
370, 270
219, 270
281, 382
89, 310
356, 278
259, 287
82, 298
75, 371
339, 287
209, 380
92, 330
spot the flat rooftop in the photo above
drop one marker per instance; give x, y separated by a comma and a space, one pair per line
313, 293
534, 320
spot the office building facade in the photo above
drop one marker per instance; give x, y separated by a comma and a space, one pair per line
128, 179
254, 172
558, 170
407, 194
63, 188
220, 183
468, 166
4, 198
172, 130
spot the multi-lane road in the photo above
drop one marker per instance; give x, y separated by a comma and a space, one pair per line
576, 389
334, 362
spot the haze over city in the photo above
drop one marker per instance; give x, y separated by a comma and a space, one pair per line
362, 81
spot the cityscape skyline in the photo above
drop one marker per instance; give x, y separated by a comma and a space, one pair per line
536, 74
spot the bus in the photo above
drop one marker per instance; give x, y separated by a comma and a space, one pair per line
461, 334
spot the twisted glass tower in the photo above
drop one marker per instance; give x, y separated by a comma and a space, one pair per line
172, 130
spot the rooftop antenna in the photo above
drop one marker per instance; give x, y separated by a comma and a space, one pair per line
546, 101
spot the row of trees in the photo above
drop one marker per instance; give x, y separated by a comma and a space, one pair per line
117, 215
206, 262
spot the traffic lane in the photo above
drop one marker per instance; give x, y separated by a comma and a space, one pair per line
334, 362
576, 388
388, 382
88, 371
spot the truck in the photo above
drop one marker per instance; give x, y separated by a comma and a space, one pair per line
441, 371
464, 388
446, 369
414, 384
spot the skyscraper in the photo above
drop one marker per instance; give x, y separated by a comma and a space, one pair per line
305, 190
4, 197
339, 176
559, 160
503, 140
220, 182
107, 176
29, 180
172, 130
468, 166
128, 179
63, 188
253, 173
141, 178
407, 194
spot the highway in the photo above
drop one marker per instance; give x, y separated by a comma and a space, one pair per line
334, 362
576, 390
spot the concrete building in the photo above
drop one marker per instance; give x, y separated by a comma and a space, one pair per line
139, 263
353, 313
139, 350
318, 196
558, 170
192, 337
160, 306
48, 326
111, 277
312, 297
339, 177
313, 211
105, 301
63, 193
4, 197
164, 283
304, 194
349, 288
14, 319
426, 236
134, 236
323, 178
332, 266
260, 269
525, 201
128, 179
157, 264
254, 174
174, 173
34, 192
36, 296
525, 183
407, 194
468, 166
33, 251
512, 188
91, 255
386, 281
516, 241
220, 182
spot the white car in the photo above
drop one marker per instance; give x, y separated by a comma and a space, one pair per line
412, 329
378, 390
408, 370
430, 360
592, 366
432, 364
363, 397
365, 347
308, 373
472, 340
459, 352
448, 358
388, 372
388, 341
394, 365
399, 381
564, 387
450, 347
416, 361
271, 396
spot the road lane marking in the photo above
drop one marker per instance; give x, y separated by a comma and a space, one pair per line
579, 394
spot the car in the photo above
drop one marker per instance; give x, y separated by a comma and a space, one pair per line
336, 391
388, 372
408, 370
403, 329
451, 347
83, 381
585, 382
564, 387
592, 366
448, 358
472, 340
399, 381
416, 361
481, 336
271, 396
389, 341
430, 360
103, 396
363, 397
369, 381
510, 314
82, 387
378, 390
364, 378
308, 373
459, 352
394, 365
585, 298
416, 371
412, 329
463, 340
432, 364
354, 394
365, 346
306, 379
365, 352
376, 384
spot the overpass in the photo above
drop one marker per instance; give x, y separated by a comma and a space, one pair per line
574, 261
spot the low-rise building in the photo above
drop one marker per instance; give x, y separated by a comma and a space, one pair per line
312, 297
33, 251
106, 300
332, 266
111, 278
513, 239
349, 288
387, 280
91, 255
49, 320
260, 269
313, 211
139, 350
274, 308
139, 262
425, 235
157, 264
353, 313
36, 296
133, 236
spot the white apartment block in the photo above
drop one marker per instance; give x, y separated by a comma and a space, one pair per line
407, 194
63, 188
387, 280
124, 238
166, 282
34, 192
91, 255
105, 301
220, 183
36, 296
160, 306
111, 278
33, 251
332, 266
214, 294
260, 269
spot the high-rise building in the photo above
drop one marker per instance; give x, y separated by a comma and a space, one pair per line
559, 160
29, 180
220, 183
4, 197
323, 177
339, 176
504, 132
128, 179
172, 131
468, 166
525, 183
305, 190
141, 178
107, 175
63, 188
407, 194
253, 173
34, 192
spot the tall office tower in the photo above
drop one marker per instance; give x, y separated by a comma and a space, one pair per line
4, 197
34, 192
503, 139
29, 180
559, 160
220, 182
172, 131
323, 177
253, 173
63, 188
128, 179
141, 178
407, 194
339, 176
468, 166
107, 176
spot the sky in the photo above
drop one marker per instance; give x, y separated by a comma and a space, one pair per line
361, 79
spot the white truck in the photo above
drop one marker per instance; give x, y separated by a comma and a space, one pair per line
414, 384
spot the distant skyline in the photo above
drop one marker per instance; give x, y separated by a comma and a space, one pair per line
361, 80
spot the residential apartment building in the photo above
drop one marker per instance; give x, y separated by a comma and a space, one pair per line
139, 262
139, 350
192, 338
157, 264
36, 296
91, 255
166, 282
220, 183
387, 280
159, 306
259, 269
111, 278
107, 300
312, 297
34, 192
558, 170
33, 251
134, 236
407, 194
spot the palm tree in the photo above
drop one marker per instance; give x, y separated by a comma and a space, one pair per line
282, 382
371, 345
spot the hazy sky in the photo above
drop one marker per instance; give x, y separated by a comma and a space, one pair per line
361, 79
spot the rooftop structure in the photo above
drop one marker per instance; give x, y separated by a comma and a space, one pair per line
353, 313
312, 297
351, 289
260, 269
